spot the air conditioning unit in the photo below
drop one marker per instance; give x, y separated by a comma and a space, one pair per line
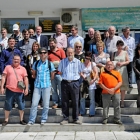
69, 17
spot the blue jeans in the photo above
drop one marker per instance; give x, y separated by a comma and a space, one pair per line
56, 85
92, 103
38, 92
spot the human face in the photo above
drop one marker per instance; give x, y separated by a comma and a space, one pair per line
38, 30
100, 48
91, 34
58, 29
4, 33
87, 59
16, 32
26, 35
31, 32
35, 47
74, 32
139, 51
16, 61
106, 34
78, 48
70, 53
97, 37
52, 45
126, 33
43, 55
111, 31
11, 43
119, 47
109, 66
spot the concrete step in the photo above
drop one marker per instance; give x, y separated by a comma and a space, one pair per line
84, 119
58, 111
54, 127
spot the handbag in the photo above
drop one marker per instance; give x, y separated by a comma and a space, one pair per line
20, 84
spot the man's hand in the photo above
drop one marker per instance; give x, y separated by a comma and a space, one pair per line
111, 91
26, 92
2, 90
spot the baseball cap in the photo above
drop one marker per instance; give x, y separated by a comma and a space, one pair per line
15, 27
43, 49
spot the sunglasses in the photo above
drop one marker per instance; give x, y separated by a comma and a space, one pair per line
78, 47
87, 58
43, 52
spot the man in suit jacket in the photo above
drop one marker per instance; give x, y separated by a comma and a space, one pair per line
41, 39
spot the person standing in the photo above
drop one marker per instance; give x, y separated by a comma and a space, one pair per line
130, 41
70, 69
110, 81
60, 37
43, 73
41, 39
12, 74
31, 33
55, 55
75, 37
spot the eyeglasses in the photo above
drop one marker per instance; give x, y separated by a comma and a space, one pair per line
72, 30
78, 46
43, 52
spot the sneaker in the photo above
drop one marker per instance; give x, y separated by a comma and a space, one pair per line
4, 123
77, 122
54, 106
23, 122
30, 123
117, 122
104, 121
64, 122
42, 123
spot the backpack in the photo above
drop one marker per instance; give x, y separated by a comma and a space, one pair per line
49, 65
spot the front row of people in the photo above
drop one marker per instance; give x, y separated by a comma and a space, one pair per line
70, 69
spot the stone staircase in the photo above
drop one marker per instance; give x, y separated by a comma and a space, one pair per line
130, 116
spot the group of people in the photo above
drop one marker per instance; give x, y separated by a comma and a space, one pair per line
69, 68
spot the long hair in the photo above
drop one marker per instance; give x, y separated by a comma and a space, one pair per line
136, 51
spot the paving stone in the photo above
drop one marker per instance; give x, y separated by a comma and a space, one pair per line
85, 134
8, 136
44, 137
104, 135
70, 133
64, 137
137, 134
125, 136
26, 136
46, 133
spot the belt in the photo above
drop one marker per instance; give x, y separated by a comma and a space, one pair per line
70, 81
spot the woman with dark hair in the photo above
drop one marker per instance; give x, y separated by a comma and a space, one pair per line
136, 68
121, 59
31, 59
89, 75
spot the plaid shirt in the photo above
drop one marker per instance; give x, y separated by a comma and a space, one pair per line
43, 74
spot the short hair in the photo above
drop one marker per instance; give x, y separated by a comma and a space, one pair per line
24, 31
58, 24
90, 29
89, 54
77, 43
120, 43
17, 55
39, 27
3, 29
100, 43
53, 39
75, 27
11, 38
112, 27
125, 29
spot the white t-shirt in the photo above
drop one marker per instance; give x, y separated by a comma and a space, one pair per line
86, 71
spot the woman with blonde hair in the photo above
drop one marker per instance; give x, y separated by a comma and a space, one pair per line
78, 51
97, 37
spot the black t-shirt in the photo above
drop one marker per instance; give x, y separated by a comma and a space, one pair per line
81, 57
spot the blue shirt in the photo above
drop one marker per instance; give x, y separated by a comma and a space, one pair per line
73, 39
7, 58
42, 79
70, 69
130, 42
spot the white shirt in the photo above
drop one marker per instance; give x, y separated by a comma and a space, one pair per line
86, 71
4, 41
38, 38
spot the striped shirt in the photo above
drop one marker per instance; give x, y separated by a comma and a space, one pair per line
42, 79
70, 69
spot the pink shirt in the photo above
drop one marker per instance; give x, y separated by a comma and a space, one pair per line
61, 40
11, 82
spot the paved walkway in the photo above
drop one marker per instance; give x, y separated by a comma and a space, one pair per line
101, 135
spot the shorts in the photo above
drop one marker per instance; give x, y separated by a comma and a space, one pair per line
11, 96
